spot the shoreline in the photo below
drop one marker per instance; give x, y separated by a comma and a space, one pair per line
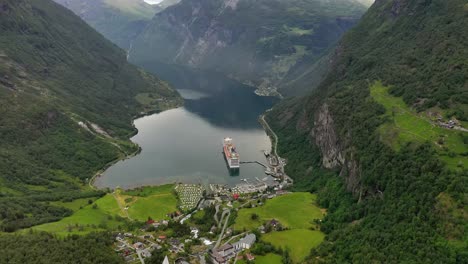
266, 127
126, 156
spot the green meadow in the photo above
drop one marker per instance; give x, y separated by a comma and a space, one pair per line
298, 241
108, 212
268, 259
406, 125
294, 210
92, 217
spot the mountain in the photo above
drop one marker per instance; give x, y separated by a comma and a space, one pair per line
67, 99
118, 20
383, 139
257, 42
167, 3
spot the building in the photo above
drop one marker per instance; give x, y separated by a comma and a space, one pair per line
222, 254
166, 260
225, 250
245, 243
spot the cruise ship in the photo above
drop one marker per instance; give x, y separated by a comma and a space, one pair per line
230, 153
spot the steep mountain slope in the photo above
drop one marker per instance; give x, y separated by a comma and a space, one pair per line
257, 42
67, 97
375, 140
118, 20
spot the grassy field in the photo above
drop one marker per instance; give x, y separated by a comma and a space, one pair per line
295, 211
87, 219
154, 202
299, 241
406, 126
300, 208
268, 259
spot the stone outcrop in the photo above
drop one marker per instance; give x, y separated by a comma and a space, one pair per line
333, 149
326, 138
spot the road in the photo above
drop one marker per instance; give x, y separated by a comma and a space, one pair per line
222, 217
216, 214
140, 257
224, 229
267, 126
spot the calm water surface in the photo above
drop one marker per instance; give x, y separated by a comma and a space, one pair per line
185, 144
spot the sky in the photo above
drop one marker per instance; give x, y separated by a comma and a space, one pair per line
153, 1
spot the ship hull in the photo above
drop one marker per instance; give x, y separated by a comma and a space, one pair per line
229, 161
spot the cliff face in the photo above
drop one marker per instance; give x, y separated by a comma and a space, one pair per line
257, 42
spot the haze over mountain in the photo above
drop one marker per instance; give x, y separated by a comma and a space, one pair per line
67, 99
118, 20
257, 42
373, 142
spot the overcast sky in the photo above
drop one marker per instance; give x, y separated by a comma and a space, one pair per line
153, 1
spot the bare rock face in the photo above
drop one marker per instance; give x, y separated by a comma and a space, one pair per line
333, 149
327, 139
350, 171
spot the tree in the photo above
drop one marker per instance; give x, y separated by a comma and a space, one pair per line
254, 216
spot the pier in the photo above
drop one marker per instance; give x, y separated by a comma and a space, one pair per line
250, 162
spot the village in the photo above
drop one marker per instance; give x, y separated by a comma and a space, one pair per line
201, 232
184, 240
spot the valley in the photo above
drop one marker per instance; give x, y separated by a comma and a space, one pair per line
349, 118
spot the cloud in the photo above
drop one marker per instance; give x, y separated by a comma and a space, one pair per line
152, 2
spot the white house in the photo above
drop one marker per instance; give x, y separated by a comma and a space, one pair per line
245, 243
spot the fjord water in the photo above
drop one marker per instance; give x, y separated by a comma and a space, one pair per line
185, 144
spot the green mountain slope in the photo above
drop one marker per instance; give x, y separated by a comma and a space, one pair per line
372, 141
67, 97
257, 42
118, 20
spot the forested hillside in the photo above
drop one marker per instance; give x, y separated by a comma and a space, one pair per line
47, 249
383, 139
67, 98
258, 42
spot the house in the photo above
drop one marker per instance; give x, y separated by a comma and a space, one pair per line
261, 229
274, 222
245, 243
206, 241
138, 245
166, 260
194, 232
145, 253
225, 250
218, 259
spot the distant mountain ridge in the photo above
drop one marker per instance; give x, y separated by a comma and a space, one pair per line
118, 20
257, 42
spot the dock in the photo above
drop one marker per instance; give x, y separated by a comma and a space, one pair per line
251, 162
